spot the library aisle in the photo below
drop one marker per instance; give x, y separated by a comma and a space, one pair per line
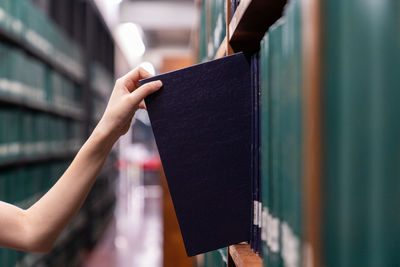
273, 142
134, 237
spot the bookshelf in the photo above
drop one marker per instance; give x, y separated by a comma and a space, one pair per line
26, 160
57, 115
244, 31
8, 37
248, 25
75, 114
336, 91
251, 20
222, 49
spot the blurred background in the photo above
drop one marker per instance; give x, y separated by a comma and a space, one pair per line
328, 91
59, 60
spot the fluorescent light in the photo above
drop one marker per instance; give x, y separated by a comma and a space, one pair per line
149, 67
130, 39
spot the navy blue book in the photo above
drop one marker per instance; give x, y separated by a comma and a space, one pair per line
257, 146
202, 124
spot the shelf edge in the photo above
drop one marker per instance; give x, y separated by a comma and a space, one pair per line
237, 16
221, 52
243, 256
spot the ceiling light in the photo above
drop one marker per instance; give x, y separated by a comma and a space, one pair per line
129, 37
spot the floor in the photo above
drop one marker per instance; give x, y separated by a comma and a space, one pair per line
134, 237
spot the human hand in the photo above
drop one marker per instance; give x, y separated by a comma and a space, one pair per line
127, 96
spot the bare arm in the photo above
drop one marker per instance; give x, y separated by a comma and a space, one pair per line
37, 228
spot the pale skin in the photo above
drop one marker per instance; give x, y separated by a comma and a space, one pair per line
36, 228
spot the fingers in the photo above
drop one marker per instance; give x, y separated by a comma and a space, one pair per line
130, 80
137, 74
140, 93
142, 105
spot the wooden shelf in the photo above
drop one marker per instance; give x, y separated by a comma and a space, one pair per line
249, 24
42, 107
251, 20
241, 255
18, 42
222, 49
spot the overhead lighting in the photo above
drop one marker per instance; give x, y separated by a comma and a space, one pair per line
148, 67
130, 39
116, 2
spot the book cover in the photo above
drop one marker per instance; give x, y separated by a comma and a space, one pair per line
202, 121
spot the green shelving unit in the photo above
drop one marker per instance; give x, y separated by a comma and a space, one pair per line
47, 112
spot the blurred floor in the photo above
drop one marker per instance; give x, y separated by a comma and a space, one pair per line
134, 238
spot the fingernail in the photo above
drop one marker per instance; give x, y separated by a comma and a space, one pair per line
158, 83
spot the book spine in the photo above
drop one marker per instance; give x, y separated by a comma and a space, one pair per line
275, 209
264, 142
258, 147
254, 203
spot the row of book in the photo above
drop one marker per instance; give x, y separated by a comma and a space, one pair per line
98, 108
62, 93
277, 148
101, 80
28, 133
24, 77
359, 137
42, 121
212, 27
25, 21
24, 186
358, 184
281, 141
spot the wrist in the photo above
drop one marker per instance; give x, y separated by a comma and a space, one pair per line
104, 135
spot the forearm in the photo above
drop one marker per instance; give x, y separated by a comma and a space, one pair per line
37, 228
47, 217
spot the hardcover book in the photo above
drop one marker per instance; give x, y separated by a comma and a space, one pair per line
202, 123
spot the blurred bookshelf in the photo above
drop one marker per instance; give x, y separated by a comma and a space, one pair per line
57, 72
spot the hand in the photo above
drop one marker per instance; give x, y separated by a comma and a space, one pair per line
126, 98
37, 228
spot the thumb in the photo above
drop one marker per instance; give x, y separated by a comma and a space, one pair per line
140, 93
